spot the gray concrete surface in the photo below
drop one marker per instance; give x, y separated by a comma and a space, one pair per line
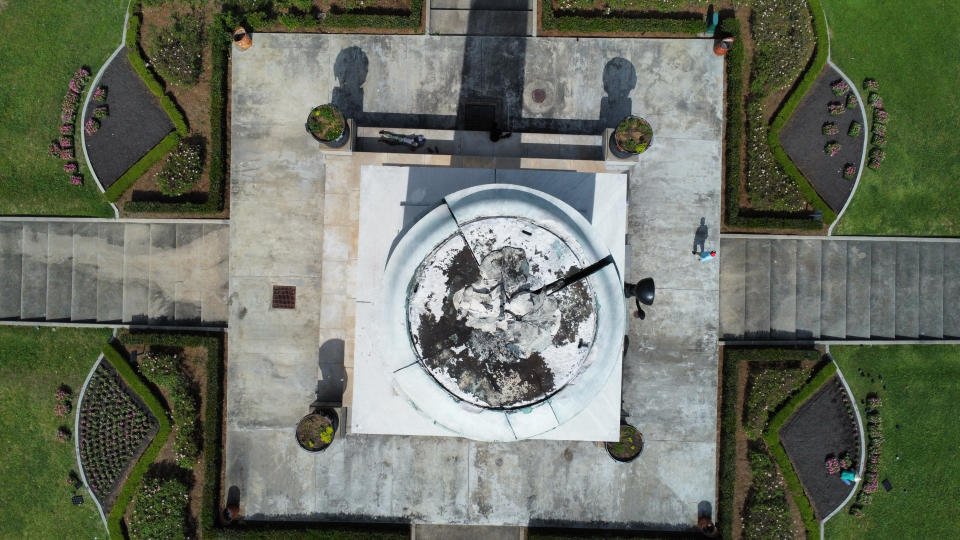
106, 271
852, 289
278, 203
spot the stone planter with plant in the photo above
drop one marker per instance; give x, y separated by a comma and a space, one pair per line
633, 136
327, 125
628, 447
315, 431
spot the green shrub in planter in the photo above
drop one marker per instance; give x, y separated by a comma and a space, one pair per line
176, 52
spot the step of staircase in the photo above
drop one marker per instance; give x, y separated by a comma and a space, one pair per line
809, 255
486, 5
110, 272
136, 273
757, 287
11, 266
883, 290
931, 291
732, 281
907, 310
83, 298
33, 278
481, 22
859, 262
951, 291
59, 271
783, 290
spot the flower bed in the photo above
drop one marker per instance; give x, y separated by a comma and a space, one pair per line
160, 510
62, 147
165, 370
113, 431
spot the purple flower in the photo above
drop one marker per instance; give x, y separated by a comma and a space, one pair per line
66, 129
70, 167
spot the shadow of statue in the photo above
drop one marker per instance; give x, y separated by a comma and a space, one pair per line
700, 236
350, 68
619, 79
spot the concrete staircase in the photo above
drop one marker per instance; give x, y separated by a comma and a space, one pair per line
482, 17
854, 288
114, 272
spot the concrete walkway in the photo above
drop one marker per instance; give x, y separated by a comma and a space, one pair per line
839, 288
97, 271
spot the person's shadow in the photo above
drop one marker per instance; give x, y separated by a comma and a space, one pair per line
700, 236
619, 79
350, 68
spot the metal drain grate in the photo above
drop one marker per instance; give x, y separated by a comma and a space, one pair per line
284, 297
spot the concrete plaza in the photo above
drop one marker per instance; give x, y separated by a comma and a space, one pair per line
294, 218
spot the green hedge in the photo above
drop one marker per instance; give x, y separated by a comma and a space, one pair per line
125, 370
551, 20
734, 143
220, 49
786, 111
728, 445
168, 143
772, 437
733, 361
363, 20
138, 169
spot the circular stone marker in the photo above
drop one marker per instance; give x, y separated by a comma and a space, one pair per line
539, 95
479, 325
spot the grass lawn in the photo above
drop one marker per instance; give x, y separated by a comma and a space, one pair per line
44, 44
922, 391
33, 495
904, 46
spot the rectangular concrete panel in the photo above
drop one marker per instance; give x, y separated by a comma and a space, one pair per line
189, 290
59, 270
859, 261
808, 288
951, 291
883, 282
757, 287
33, 291
931, 290
11, 267
110, 272
215, 278
908, 290
83, 298
475, 22
833, 292
783, 289
732, 281
136, 273
513, 5
164, 267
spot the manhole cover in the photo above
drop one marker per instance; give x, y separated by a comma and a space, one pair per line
284, 297
539, 95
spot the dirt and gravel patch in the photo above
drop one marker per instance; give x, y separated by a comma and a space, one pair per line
135, 125
804, 141
820, 428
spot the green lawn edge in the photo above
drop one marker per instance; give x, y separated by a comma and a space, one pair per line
772, 437
821, 52
112, 356
550, 20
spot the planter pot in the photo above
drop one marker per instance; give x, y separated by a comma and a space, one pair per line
242, 39
630, 124
721, 47
707, 528
339, 141
315, 431
231, 513
320, 124
629, 447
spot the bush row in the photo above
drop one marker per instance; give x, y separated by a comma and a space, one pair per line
786, 111
259, 15
772, 437
220, 49
129, 376
558, 20
733, 361
734, 142
169, 142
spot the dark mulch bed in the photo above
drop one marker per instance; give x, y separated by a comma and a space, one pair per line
135, 125
803, 140
820, 427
